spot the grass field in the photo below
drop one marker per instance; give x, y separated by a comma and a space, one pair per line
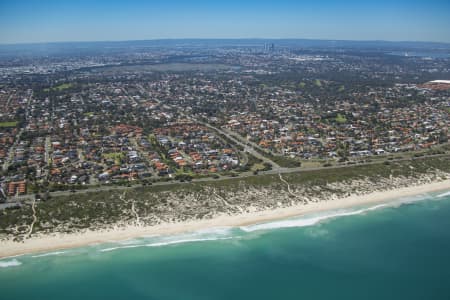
340, 119
8, 124
59, 88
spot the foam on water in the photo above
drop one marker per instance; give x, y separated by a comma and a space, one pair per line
135, 241
443, 195
120, 247
306, 221
311, 220
49, 254
210, 234
9, 263
186, 241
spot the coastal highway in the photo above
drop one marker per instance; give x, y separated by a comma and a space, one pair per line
28, 198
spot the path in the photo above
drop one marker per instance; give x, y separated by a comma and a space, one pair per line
133, 209
138, 222
287, 183
34, 219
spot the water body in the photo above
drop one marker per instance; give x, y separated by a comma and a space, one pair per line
396, 251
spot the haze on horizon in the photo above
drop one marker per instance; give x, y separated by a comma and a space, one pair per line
34, 21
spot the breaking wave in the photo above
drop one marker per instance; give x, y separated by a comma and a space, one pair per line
443, 195
314, 219
158, 241
49, 254
186, 241
120, 247
10, 263
307, 221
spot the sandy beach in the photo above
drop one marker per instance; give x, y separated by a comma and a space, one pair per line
63, 241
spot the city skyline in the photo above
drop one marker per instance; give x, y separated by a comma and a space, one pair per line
33, 21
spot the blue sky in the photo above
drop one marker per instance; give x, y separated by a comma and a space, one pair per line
25, 21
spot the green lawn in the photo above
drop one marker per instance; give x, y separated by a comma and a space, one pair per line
59, 88
340, 119
8, 124
116, 156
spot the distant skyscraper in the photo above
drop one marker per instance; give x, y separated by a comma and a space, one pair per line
269, 47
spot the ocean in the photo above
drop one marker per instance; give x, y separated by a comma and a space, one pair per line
395, 251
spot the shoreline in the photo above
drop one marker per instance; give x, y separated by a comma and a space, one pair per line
55, 242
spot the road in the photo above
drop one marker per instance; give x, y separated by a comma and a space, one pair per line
9, 99
29, 198
242, 143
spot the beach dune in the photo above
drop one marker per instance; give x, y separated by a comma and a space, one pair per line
57, 241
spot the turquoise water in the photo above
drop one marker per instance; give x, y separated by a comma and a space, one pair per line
401, 251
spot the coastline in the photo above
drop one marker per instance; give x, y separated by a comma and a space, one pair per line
54, 242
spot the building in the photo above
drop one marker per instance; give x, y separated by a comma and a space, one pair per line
16, 187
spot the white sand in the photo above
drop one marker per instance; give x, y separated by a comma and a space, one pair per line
63, 241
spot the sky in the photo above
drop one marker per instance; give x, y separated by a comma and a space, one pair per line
32, 21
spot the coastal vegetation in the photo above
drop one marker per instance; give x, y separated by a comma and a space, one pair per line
199, 200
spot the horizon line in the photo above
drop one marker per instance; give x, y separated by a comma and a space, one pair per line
230, 38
